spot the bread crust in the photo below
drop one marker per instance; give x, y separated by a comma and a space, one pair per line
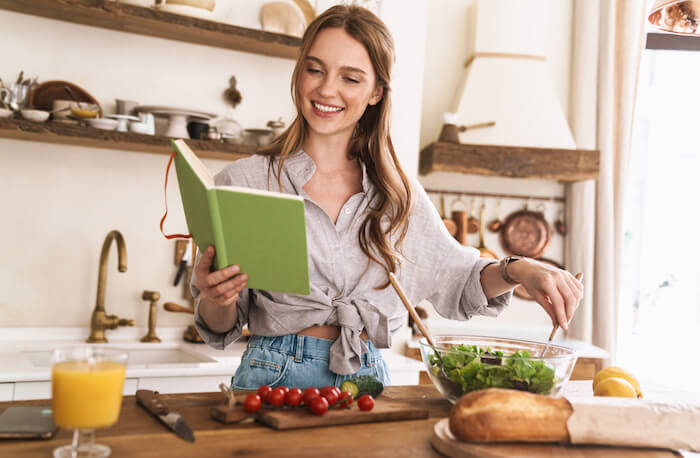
501, 415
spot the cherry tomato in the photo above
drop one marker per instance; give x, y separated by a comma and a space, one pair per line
309, 394
331, 397
293, 398
319, 405
252, 403
345, 399
276, 397
286, 390
365, 402
263, 391
337, 390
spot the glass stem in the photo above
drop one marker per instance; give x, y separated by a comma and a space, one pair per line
83, 441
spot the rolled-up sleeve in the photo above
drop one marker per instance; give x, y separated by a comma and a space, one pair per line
449, 274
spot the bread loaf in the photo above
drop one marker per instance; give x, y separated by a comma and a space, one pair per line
500, 415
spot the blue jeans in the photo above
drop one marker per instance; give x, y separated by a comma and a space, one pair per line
298, 361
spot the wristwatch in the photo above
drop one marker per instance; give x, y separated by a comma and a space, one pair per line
503, 268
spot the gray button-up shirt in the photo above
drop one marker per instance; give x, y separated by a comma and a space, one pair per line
434, 267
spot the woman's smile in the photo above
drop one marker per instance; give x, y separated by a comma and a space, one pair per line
325, 110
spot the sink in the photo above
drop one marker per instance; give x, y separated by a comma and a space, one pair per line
144, 355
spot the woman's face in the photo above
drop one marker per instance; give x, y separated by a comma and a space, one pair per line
336, 84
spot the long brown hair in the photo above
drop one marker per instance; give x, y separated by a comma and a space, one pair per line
370, 142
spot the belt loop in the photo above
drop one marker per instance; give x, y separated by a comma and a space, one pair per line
300, 349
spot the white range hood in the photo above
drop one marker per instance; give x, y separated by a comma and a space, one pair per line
508, 80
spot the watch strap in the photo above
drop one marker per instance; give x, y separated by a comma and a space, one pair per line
503, 268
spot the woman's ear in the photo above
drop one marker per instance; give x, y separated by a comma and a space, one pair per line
377, 95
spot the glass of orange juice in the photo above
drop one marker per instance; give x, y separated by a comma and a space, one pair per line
86, 385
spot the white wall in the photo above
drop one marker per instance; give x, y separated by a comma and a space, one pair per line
58, 202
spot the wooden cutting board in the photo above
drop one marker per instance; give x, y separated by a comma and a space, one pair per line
384, 410
444, 442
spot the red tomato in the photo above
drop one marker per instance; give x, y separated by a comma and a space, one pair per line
286, 390
309, 394
345, 399
263, 391
337, 390
326, 389
319, 405
276, 397
331, 397
365, 402
293, 398
252, 403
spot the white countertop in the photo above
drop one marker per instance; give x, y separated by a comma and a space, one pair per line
25, 353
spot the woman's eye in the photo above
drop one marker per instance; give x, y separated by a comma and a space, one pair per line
313, 70
351, 80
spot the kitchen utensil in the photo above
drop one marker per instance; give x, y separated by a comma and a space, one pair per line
424, 330
525, 233
559, 358
485, 252
460, 219
5, 112
559, 224
257, 137
386, 409
522, 293
177, 117
35, 115
123, 121
173, 307
42, 96
72, 96
472, 221
228, 413
477, 126
103, 123
150, 401
579, 277
450, 225
496, 224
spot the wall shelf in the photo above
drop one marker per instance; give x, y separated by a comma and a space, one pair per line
71, 134
110, 14
564, 165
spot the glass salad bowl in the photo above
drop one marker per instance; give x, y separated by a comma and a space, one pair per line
476, 362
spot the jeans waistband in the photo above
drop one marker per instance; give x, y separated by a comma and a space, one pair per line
301, 347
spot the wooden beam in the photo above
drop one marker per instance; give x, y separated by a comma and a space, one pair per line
76, 135
110, 14
510, 161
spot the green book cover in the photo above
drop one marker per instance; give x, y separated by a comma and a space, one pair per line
263, 232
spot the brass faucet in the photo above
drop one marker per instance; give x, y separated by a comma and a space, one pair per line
153, 297
100, 320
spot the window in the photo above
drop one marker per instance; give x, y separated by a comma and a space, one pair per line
659, 329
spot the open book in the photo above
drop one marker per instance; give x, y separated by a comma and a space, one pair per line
261, 231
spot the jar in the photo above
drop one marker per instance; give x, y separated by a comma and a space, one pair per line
229, 128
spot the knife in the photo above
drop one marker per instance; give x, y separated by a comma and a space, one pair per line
150, 401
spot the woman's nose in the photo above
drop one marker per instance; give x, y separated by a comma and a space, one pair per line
327, 87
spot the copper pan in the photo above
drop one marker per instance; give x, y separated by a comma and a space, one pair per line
520, 290
450, 225
526, 233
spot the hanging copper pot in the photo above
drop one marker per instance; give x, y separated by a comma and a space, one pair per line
520, 290
525, 233
472, 221
496, 224
460, 219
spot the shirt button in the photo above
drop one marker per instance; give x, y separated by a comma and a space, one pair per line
348, 211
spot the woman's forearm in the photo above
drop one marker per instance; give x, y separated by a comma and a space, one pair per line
219, 319
492, 282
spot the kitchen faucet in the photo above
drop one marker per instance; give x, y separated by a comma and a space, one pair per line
100, 320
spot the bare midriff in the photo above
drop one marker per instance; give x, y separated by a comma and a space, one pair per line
328, 332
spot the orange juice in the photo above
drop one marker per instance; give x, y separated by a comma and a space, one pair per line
87, 394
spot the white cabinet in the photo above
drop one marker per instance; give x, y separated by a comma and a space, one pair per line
7, 391
197, 384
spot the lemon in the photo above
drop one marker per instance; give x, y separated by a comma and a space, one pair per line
614, 371
615, 386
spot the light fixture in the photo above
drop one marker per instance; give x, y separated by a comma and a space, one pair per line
676, 16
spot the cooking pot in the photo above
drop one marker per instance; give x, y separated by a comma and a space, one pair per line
525, 233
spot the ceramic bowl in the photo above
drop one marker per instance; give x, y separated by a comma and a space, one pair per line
495, 364
35, 115
103, 123
257, 137
5, 113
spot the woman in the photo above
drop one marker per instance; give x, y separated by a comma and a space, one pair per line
364, 219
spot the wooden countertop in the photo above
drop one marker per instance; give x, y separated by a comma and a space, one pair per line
139, 434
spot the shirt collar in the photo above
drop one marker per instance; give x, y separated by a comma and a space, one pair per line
300, 168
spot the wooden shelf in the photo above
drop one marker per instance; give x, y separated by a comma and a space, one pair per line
71, 134
510, 161
110, 14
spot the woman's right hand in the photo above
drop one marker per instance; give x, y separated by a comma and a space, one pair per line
219, 288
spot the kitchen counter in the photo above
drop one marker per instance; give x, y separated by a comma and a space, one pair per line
138, 434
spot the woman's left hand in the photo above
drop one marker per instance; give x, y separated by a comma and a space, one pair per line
556, 290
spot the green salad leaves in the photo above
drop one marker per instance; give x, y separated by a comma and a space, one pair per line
475, 368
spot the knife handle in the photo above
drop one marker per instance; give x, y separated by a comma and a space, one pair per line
150, 401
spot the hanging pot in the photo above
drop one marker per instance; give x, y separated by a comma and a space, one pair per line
450, 225
520, 290
460, 219
472, 221
496, 224
485, 252
525, 233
